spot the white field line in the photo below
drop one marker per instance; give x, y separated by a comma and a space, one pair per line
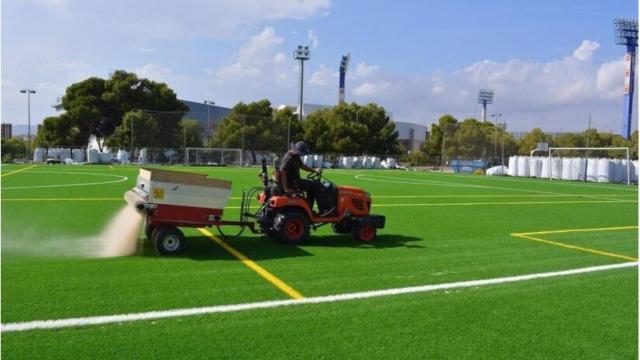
163, 314
120, 178
415, 181
523, 180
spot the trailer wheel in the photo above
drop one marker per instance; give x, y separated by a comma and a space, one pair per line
364, 231
292, 227
343, 227
148, 230
168, 240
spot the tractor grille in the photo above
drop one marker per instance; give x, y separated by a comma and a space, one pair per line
358, 204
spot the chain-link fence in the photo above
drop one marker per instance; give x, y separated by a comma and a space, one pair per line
475, 146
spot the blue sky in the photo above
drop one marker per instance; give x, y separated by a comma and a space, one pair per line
551, 63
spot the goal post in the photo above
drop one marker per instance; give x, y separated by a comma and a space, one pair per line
213, 156
552, 150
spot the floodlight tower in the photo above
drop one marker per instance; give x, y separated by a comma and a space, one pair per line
485, 97
303, 54
344, 63
627, 34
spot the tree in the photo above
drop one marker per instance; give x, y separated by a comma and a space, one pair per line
97, 106
13, 148
61, 130
531, 139
256, 126
351, 129
433, 147
192, 133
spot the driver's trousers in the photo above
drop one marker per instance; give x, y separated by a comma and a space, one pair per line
313, 190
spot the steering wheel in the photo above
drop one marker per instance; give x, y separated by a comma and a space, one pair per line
314, 176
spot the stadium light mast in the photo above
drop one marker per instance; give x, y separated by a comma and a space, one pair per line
303, 54
28, 92
626, 31
485, 97
344, 63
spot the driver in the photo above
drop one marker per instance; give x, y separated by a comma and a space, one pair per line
290, 173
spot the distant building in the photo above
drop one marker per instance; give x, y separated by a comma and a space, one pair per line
5, 128
209, 116
411, 136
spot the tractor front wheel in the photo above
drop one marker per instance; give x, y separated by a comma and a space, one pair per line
292, 227
343, 227
168, 240
364, 230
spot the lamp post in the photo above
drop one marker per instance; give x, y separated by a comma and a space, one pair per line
28, 92
209, 103
302, 53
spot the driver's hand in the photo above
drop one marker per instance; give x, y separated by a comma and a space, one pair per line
318, 171
289, 192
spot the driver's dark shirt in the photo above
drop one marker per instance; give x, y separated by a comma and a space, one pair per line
291, 163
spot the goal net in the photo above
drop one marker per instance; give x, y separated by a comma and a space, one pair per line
213, 156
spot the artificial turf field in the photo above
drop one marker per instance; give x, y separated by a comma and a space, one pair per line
441, 229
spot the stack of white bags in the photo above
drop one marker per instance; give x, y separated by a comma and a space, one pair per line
573, 168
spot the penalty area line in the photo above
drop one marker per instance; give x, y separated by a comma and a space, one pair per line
164, 314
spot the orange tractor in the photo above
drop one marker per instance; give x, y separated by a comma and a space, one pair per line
290, 217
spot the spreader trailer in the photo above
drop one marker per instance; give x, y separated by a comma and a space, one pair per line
171, 199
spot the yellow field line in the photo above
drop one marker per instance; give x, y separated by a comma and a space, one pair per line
574, 247
254, 266
577, 230
19, 170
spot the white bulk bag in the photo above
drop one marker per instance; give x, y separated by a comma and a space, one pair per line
38, 155
497, 171
92, 156
535, 167
592, 169
634, 171
357, 163
391, 162
577, 169
603, 170
566, 169
318, 160
375, 162
556, 168
513, 166
523, 166
619, 171
77, 155
544, 168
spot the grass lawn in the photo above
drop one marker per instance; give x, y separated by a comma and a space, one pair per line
441, 228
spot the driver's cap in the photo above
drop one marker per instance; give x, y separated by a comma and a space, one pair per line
302, 148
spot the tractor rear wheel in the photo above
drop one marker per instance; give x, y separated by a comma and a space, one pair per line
364, 231
168, 240
292, 227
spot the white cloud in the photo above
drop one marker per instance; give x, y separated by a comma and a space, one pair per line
256, 58
585, 51
154, 72
363, 70
313, 37
324, 77
371, 89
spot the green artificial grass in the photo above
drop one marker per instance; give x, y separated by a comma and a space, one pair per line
440, 228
